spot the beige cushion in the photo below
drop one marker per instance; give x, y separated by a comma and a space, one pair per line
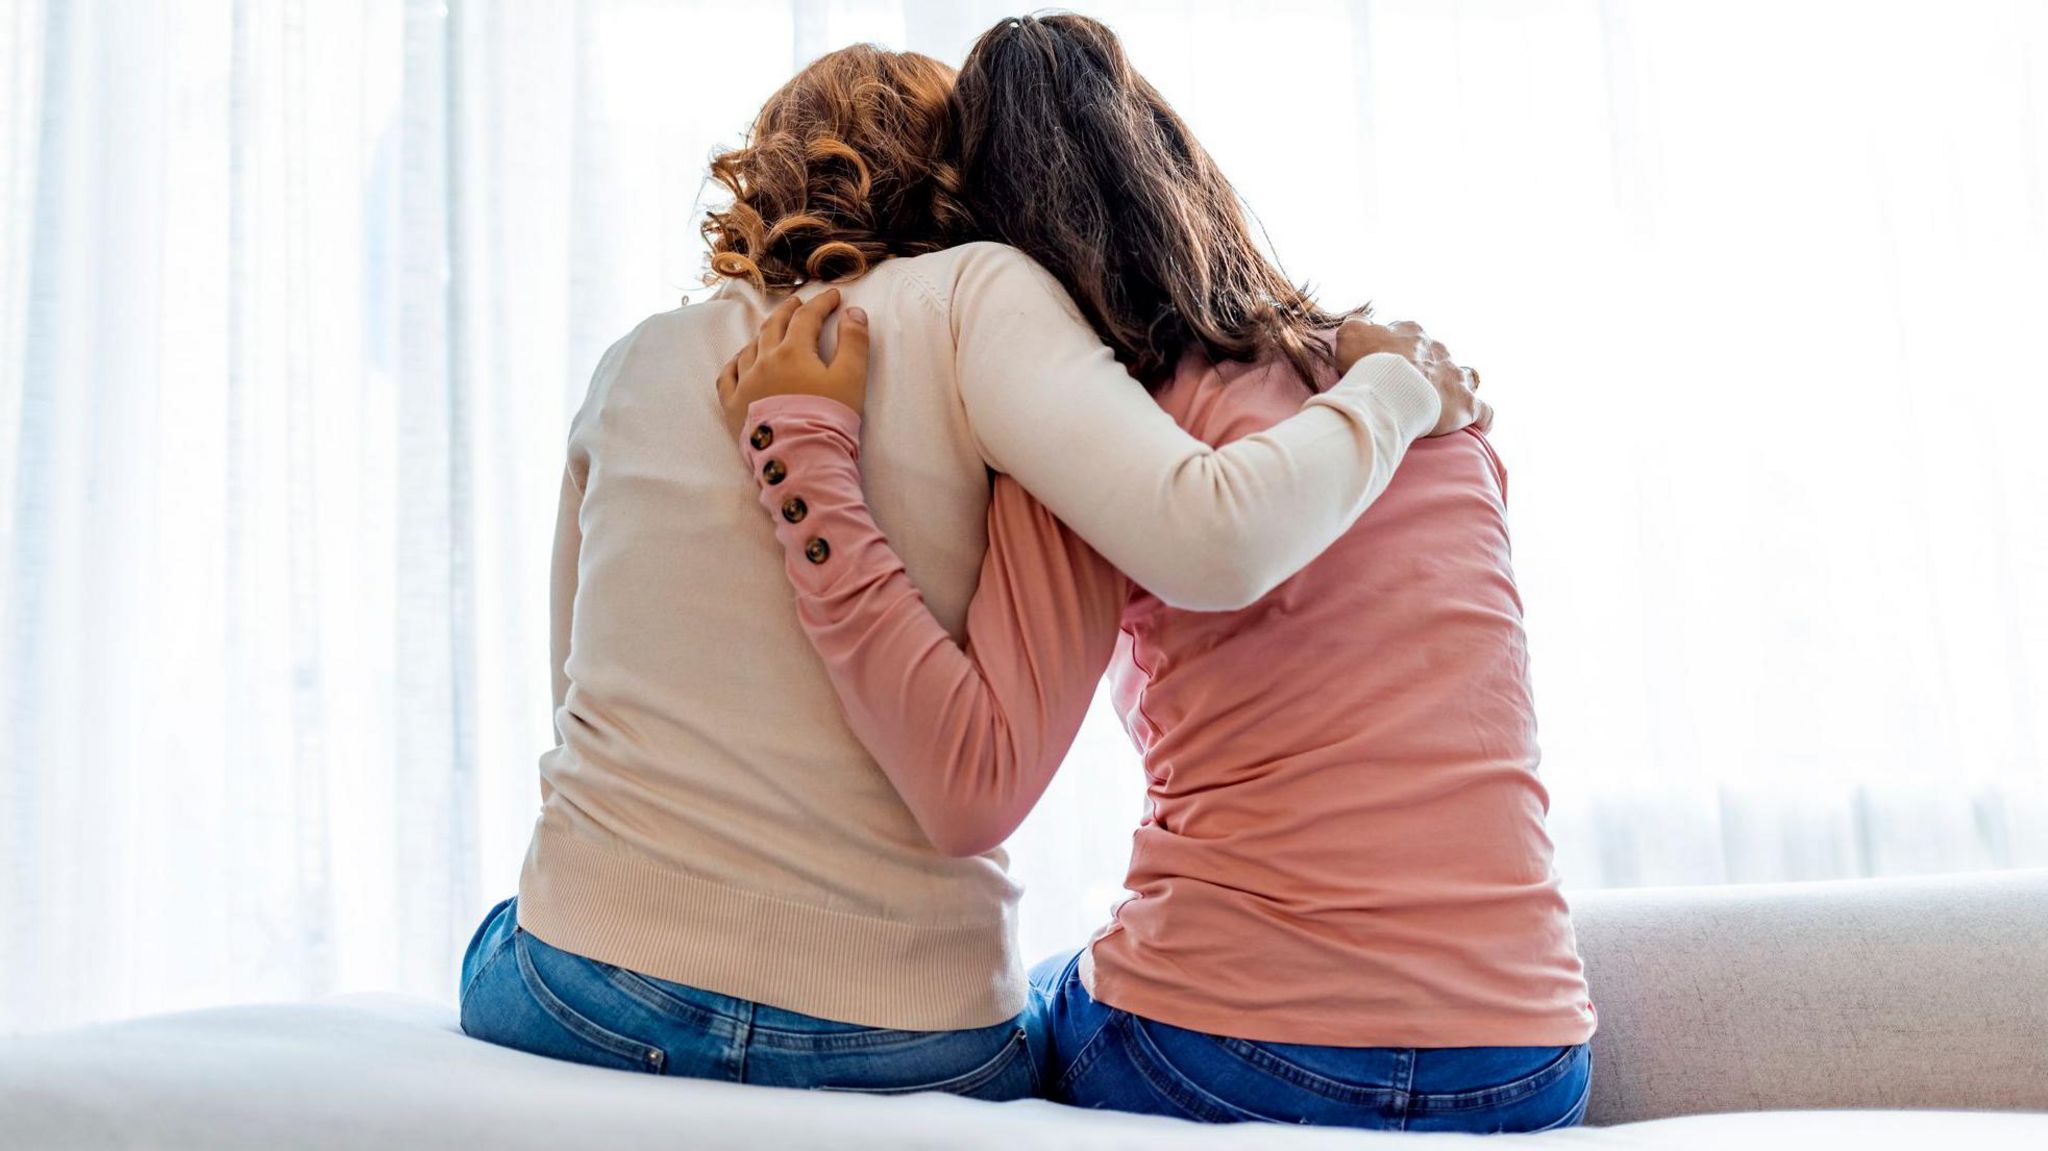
1913, 993
383, 1072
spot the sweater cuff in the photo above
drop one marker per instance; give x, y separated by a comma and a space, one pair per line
1395, 386
804, 452
814, 412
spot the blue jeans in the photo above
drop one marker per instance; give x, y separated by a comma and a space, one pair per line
1102, 1057
519, 992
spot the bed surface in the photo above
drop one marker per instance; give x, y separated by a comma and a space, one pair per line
389, 1071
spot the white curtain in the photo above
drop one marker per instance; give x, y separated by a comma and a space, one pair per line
296, 297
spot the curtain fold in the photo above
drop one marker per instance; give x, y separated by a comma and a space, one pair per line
296, 299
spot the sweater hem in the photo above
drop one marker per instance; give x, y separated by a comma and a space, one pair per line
1335, 1025
597, 900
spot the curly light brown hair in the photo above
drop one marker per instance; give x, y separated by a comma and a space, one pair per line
844, 167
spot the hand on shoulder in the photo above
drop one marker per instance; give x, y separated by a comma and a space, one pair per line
1457, 387
782, 359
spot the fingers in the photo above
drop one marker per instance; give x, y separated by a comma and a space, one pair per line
748, 354
1354, 342
777, 323
850, 358
1448, 374
1482, 412
729, 380
729, 399
804, 325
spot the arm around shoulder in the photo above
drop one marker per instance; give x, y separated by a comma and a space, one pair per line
1202, 528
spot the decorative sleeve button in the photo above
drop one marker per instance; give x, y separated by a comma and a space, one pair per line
763, 437
774, 472
794, 509
817, 551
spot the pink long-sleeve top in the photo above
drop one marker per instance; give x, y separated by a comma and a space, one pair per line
1345, 843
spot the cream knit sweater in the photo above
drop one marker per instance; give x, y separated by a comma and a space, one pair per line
707, 817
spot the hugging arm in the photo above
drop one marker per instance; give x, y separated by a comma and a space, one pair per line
969, 737
1202, 528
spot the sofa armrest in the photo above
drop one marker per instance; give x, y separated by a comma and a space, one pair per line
1895, 993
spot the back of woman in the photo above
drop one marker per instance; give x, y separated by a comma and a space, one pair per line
1344, 910
1345, 842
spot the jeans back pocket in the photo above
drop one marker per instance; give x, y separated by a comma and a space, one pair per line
522, 999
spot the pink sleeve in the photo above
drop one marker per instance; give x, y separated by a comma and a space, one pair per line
971, 737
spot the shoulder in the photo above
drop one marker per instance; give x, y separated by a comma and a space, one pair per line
704, 329
662, 346
986, 262
987, 275
696, 321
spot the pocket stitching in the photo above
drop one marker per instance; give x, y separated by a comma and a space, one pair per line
1267, 1063
1091, 1049
1513, 1091
1083, 1060
959, 1084
1182, 1091
645, 992
1577, 1114
858, 1039
647, 1055
1573, 1117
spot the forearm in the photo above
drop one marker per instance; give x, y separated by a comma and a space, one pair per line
1200, 527
969, 737
1232, 523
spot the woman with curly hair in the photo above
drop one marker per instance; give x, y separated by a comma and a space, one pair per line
720, 882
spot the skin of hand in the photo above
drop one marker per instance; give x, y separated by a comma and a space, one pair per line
782, 359
1457, 387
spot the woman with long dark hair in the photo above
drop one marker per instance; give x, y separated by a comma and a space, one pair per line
1344, 909
719, 883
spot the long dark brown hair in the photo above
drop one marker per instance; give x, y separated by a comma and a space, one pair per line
1068, 154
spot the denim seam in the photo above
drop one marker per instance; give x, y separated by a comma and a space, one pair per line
959, 1084
1086, 1057
647, 1055
1091, 1048
862, 1040
1173, 1083
484, 969
1267, 1063
742, 1041
1404, 1072
638, 988
1575, 1115
1513, 1091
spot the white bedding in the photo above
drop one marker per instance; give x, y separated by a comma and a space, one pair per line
385, 1071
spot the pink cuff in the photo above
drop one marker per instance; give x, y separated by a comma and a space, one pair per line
805, 455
